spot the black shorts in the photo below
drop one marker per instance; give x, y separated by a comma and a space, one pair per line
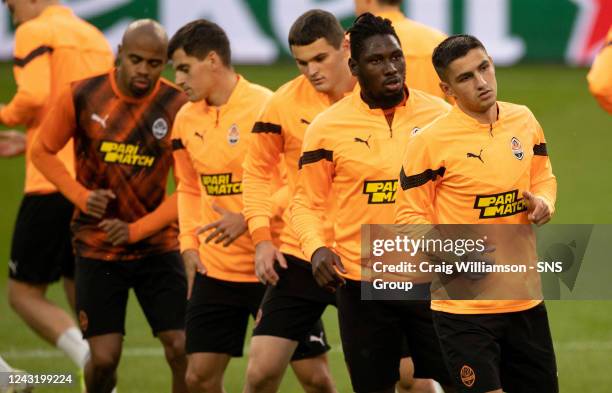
41, 250
510, 351
292, 309
374, 338
218, 314
102, 289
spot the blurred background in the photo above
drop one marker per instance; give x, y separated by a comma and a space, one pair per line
542, 49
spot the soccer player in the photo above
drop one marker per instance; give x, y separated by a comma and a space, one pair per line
124, 230
211, 135
353, 149
418, 42
52, 48
600, 76
483, 148
293, 303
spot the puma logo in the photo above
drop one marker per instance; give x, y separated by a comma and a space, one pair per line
366, 141
101, 120
12, 266
472, 155
304, 121
199, 135
318, 339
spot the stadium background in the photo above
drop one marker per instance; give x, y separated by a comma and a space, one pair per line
540, 43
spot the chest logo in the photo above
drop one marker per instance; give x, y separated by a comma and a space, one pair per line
160, 128
380, 191
199, 135
500, 205
517, 148
99, 119
364, 141
233, 135
415, 131
479, 156
221, 184
125, 154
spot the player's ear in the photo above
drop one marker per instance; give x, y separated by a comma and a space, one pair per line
352, 63
346, 45
119, 52
213, 59
447, 89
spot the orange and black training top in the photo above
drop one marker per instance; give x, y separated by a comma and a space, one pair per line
352, 150
278, 133
122, 144
460, 171
51, 51
215, 140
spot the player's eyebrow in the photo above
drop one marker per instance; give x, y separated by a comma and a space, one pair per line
318, 55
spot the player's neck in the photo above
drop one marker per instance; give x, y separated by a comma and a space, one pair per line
345, 85
487, 117
226, 83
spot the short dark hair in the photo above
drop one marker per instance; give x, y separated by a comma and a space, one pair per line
451, 49
313, 25
199, 38
366, 26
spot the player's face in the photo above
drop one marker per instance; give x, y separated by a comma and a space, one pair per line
193, 75
22, 10
471, 81
321, 63
381, 70
141, 65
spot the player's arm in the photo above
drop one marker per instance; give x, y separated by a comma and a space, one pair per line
121, 232
600, 76
55, 131
308, 207
542, 193
189, 207
418, 178
261, 161
32, 68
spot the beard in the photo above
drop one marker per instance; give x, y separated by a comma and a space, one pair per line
386, 101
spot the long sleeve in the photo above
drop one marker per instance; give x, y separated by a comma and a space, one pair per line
148, 225
600, 76
419, 177
57, 128
32, 71
261, 161
543, 181
188, 194
313, 187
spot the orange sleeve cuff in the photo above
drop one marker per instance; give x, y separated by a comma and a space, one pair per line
261, 234
188, 241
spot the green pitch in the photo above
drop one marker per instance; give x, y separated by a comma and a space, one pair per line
579, 136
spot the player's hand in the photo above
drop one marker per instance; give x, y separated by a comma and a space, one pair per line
97, 201
118, 231
12, 143
191, 259
324, 265
226, 229
537, 209
265, 257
